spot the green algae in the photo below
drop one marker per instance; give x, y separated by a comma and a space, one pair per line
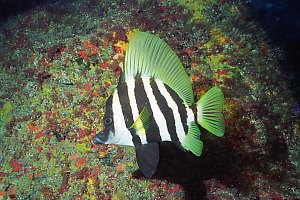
197, 9
6, 113
119, 195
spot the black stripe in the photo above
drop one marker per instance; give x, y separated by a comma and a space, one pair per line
108, 111
127, 111
166, 110
140, 95
152, 133
181, 107
125, 104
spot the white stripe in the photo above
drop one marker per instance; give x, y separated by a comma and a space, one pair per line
132, 99
174, 107
133, 104
157, 114
190, 116
122, 135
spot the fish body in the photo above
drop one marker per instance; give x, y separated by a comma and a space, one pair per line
154, 102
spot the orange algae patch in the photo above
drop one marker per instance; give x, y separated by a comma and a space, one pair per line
194, 78
39, 174
30, 176
95, 94
32, 127
94, 51
89, 49
2, 193
120, 167
89, 46
80, 161
86, 44
188, 51
118, 49
82, 54
12, 191
74, 156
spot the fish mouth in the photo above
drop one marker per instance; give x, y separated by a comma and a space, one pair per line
97, 139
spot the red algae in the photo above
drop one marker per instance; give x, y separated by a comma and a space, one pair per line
15, 165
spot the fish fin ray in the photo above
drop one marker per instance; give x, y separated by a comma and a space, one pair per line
192, 141
209, 111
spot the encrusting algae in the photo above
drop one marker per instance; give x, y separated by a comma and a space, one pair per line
61, 61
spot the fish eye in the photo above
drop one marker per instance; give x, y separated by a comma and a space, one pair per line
108, 121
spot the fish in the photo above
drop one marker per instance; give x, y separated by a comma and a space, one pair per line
154, 102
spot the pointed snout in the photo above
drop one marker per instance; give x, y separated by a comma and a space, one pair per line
97, 139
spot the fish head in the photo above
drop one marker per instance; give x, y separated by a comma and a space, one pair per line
107, 134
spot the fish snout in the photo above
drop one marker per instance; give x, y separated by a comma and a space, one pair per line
98, 139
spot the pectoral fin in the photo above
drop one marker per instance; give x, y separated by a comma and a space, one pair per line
147, 156
141, 124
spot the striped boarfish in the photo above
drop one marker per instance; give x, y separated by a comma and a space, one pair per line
154, 102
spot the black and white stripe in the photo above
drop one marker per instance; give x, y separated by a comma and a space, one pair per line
144, 97
170, 116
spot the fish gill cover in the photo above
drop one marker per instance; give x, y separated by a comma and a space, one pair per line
60, 61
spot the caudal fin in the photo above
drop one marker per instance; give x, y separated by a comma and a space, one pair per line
209, 111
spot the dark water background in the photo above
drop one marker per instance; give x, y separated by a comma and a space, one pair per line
281, 19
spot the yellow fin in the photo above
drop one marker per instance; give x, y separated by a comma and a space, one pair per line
141, 124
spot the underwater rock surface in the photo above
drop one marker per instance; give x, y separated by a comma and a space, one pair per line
59, 62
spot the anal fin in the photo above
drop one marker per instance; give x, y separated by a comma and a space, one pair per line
192, 140
147, 156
